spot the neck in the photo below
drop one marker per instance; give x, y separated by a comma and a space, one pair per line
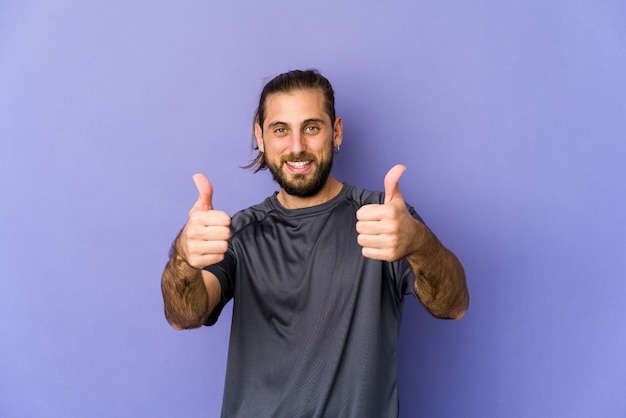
330, 190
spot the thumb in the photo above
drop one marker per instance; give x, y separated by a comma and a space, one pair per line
392, 178
205, 193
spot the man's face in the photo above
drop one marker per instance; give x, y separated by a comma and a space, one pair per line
298, 140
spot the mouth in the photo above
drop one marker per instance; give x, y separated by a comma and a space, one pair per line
298, 166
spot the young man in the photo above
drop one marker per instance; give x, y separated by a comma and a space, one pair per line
317, 271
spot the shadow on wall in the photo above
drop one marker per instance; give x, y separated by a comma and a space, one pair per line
443, 364
357, 163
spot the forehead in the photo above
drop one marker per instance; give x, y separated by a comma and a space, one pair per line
295, 106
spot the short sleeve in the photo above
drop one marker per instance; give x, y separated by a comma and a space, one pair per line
225, 273
401, 272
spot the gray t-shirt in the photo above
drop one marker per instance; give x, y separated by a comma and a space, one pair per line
315, 324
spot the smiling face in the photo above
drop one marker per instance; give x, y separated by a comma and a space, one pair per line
297, 140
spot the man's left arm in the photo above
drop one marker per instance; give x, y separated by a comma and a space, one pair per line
389, 232
439, 276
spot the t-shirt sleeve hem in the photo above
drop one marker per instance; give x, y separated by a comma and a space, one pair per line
221, 277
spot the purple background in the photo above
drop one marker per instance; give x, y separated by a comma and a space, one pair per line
510, 118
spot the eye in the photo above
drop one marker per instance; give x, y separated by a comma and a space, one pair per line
311, 129
280, 131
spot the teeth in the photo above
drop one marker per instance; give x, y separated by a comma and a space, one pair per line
298, 164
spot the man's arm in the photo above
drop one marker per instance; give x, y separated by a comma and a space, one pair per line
190, 294
439, 276
389, 232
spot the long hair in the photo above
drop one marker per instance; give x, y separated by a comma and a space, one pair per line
285, 83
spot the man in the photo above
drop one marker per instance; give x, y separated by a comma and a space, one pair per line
317, 271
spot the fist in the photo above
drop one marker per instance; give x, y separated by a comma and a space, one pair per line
204, 239
386, 232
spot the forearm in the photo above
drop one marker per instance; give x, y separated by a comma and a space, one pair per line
439, 277
185, 295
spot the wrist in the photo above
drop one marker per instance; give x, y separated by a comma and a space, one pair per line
179, 261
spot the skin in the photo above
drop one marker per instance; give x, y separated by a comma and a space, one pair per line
296, 129
297, 139
388, 232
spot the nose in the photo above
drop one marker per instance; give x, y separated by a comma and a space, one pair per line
297, 145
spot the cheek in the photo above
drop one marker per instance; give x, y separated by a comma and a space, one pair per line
327, 149
274, 152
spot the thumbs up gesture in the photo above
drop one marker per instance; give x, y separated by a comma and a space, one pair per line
387, 232
204, 239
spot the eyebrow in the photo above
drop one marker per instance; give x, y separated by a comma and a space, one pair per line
276, 123
315, 120
304, 122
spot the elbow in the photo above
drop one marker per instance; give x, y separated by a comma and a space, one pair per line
454, 315
458, 315
176, 327
454, 311
459, 303
460, 312
461, 308
182, 322
180, 326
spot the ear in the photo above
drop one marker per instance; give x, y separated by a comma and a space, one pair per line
338, 132
258, 134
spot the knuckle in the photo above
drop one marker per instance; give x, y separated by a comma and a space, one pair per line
222, 246
214, 258
191, 234
363, 240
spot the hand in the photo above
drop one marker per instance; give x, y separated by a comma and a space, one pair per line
204, 239
387, 232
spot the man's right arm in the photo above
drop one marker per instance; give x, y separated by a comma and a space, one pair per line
190, 294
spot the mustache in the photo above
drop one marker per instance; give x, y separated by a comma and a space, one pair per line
303, 156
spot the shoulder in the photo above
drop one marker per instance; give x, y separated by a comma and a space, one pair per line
251, 215
367, 197
363, 196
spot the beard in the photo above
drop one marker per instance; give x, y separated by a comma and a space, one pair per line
299, 185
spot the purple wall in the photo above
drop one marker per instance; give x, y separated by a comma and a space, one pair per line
510, 118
